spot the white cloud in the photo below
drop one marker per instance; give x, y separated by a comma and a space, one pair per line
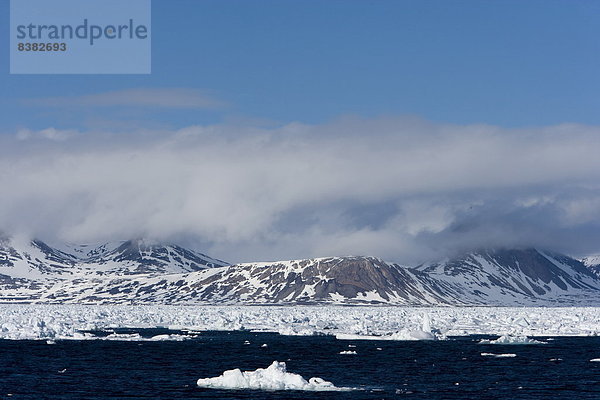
402, 189
48, 133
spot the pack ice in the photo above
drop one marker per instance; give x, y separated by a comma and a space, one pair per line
20, 321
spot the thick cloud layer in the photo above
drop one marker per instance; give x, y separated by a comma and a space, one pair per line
399, 188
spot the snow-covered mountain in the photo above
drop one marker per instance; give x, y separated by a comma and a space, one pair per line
593, 264
516, 276
129, 257
139, 271
30, 269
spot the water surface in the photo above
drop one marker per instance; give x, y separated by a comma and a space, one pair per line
452, 369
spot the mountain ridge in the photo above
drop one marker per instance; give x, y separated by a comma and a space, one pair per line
139, 271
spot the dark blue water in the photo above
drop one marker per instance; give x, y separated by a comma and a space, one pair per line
400, 370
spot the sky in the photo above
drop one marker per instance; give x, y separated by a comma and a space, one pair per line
408, 130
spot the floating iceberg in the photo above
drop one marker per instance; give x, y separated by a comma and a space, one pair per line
508, 339
425, 333
413, 335
348, 352
275, 377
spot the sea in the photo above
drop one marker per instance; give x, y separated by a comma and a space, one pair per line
448, 369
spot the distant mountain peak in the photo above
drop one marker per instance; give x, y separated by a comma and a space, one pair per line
128, 257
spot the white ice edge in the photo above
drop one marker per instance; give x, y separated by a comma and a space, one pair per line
275, 377
52, 322
505, 355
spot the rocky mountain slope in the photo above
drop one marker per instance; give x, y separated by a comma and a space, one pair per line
509, 276
139, 271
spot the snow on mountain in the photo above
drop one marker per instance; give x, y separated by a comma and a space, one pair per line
86, 251
33, 270
120, 258
593, 264
353, 280
525, 276
144, 257
33, 258
143, 272
334, 279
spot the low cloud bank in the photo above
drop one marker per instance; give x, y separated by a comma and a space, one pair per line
400, 188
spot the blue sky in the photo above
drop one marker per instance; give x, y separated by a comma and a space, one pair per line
408, 130
506, 63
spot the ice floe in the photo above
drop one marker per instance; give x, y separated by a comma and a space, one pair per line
399, 335
275, 377
136, 337
424, 333
508, 339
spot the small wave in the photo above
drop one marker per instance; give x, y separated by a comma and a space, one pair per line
505, 355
